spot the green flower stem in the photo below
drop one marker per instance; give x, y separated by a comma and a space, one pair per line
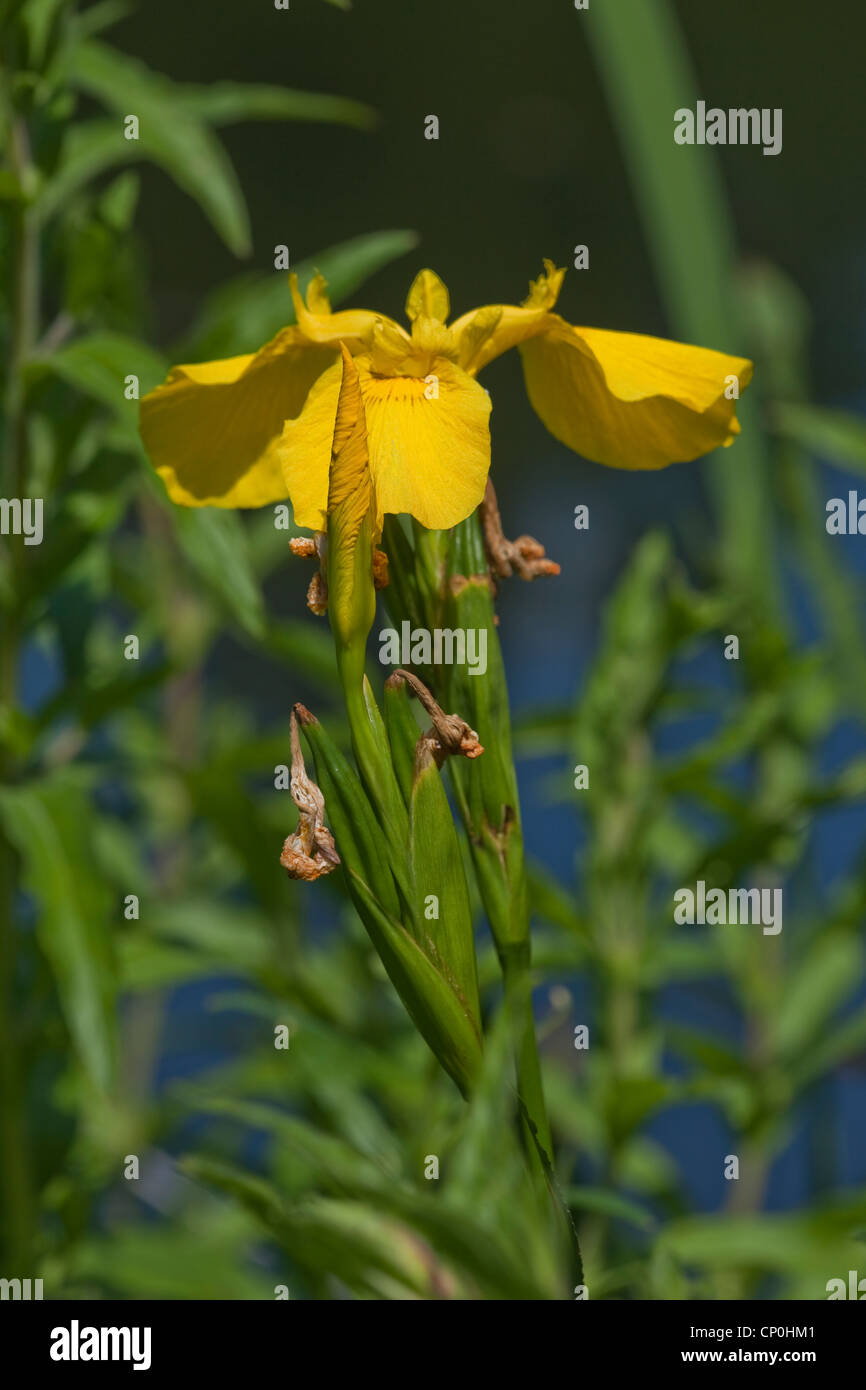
16, 1188
402, 597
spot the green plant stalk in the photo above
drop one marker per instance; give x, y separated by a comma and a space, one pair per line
431, 555
402, 596
534, 1122
487, 799
19, 1219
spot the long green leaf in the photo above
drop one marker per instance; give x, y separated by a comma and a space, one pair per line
221, 103
168, 132
647, 76
48, 823
99, 363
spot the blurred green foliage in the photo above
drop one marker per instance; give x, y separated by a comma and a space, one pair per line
149, 778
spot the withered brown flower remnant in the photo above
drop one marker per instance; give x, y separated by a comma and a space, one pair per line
310, 852
526, 555
450, 735
315, 548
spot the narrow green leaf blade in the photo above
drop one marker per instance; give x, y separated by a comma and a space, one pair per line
99, 363
834, 435
221, 103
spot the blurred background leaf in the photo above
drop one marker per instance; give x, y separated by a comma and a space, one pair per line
151, 1031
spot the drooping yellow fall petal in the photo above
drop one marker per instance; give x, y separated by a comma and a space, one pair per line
631, 401
304, 452
429, 444
212, 428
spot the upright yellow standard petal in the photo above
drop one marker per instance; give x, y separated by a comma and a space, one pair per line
428, 437
428, 298
350, 327
211, 429
631, 401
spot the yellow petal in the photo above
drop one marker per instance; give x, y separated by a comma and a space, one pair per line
304, 451
484, 334
490, 331
428, 298
353, 327
317, 294
429, 445
631, 401
212, 428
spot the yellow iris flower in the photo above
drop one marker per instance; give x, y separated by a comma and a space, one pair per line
248, 430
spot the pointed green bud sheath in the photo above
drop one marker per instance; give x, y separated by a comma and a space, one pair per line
443, 1007
440, 882
352, 608
439, 1010
430, 999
